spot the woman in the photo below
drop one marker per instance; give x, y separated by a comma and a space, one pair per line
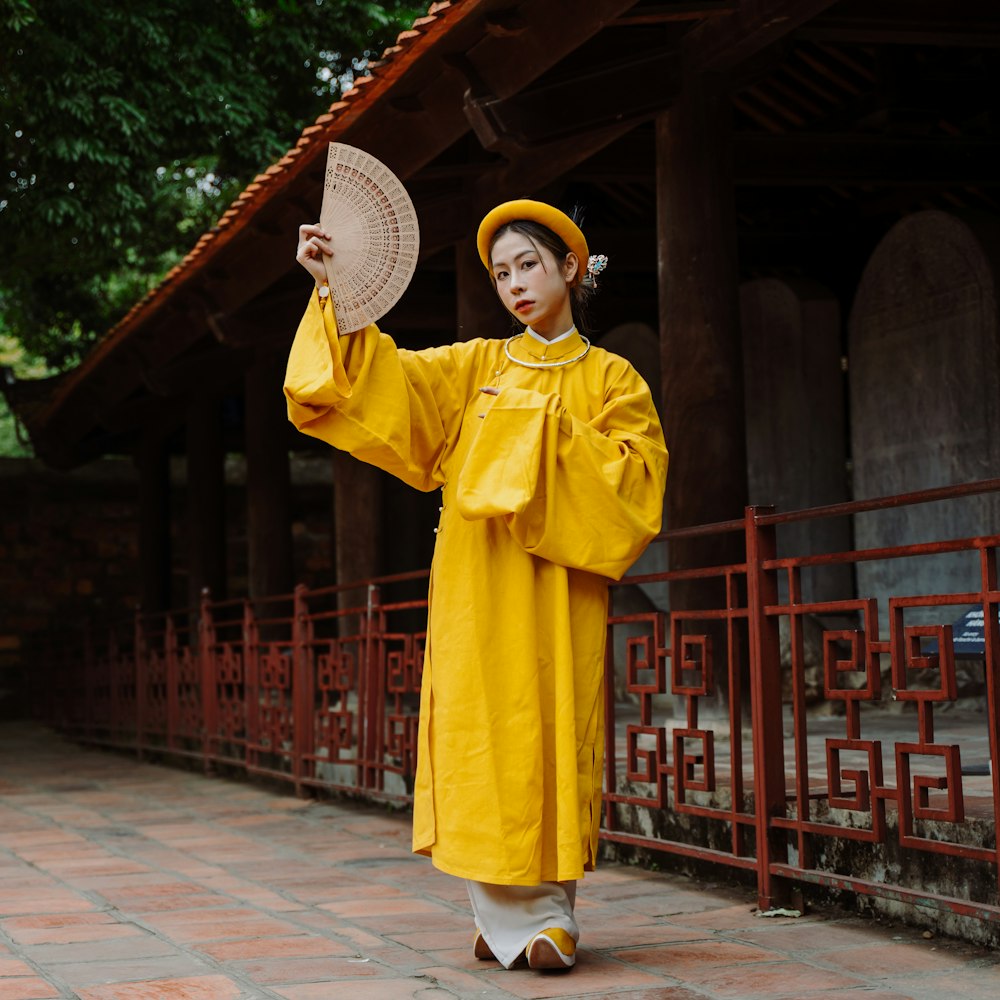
551, 463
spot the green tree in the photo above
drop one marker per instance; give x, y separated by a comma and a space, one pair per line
17, 363
128, 128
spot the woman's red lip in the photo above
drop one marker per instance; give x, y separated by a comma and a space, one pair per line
523, 304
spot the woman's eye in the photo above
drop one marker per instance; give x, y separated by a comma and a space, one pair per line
501, 275
528, 264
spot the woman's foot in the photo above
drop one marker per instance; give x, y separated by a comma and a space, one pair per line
481, 949
552, 949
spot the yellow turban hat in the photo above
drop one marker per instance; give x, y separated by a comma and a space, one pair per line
537, 211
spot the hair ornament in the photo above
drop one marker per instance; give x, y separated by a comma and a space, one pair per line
596, 263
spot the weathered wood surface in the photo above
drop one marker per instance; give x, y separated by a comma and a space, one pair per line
357, 521
925, 395
153, 463
702, 363
796, 427
206, 499
480, 312
718, 44
268, 487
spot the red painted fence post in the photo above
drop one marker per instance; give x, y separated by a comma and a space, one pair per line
991, 638
139, 674
765, 708
302, 690
113, 669
209, 694
369, 693
172, 679
89, 727
251, 686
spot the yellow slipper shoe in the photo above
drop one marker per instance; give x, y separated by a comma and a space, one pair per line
552, 949
481, 949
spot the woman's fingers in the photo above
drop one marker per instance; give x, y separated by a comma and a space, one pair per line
314, 245
312, 229
314, 241
312, 248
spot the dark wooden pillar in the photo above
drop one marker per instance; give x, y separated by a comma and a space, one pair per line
269, 522
206, 499
153, 462
480, 313
357, 520
700, 335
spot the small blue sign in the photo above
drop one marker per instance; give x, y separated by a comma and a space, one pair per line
969, 633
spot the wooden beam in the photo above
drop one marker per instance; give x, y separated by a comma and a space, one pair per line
139, 411
555, 28
630, 160
158, 346
819, 160
121, 371
542, 115
664, 13
193, 375
901, 29
720, 44
506, 23
529, 171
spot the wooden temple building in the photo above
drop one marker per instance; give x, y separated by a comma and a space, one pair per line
799, 200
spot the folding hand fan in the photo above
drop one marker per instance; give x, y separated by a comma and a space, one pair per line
374, 233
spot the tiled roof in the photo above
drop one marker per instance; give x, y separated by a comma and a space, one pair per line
395, 60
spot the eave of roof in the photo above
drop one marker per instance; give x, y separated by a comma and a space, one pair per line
441, 18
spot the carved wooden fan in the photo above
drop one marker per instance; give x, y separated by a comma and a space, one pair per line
374, 233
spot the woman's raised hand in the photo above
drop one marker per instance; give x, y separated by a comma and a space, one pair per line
313, 244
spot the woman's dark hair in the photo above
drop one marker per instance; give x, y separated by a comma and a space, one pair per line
539, 235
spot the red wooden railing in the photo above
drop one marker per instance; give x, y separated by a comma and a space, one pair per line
712, 752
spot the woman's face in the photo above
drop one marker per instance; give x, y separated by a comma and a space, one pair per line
532, 284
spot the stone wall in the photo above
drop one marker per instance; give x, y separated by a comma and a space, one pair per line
796, 426
925, 397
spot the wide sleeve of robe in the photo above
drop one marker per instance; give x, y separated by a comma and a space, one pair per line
399, 410
582, 494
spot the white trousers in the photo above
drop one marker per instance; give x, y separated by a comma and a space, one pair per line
509, 916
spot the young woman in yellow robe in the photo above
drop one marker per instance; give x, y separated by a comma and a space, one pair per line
551, 463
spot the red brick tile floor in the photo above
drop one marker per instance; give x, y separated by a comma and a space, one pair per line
124, 880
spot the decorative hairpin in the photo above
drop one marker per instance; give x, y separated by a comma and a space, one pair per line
595, 265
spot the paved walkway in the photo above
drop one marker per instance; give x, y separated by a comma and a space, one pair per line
128, 881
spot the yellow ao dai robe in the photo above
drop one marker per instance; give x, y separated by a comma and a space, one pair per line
548, 489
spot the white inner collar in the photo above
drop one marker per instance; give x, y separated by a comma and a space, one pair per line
554, 340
